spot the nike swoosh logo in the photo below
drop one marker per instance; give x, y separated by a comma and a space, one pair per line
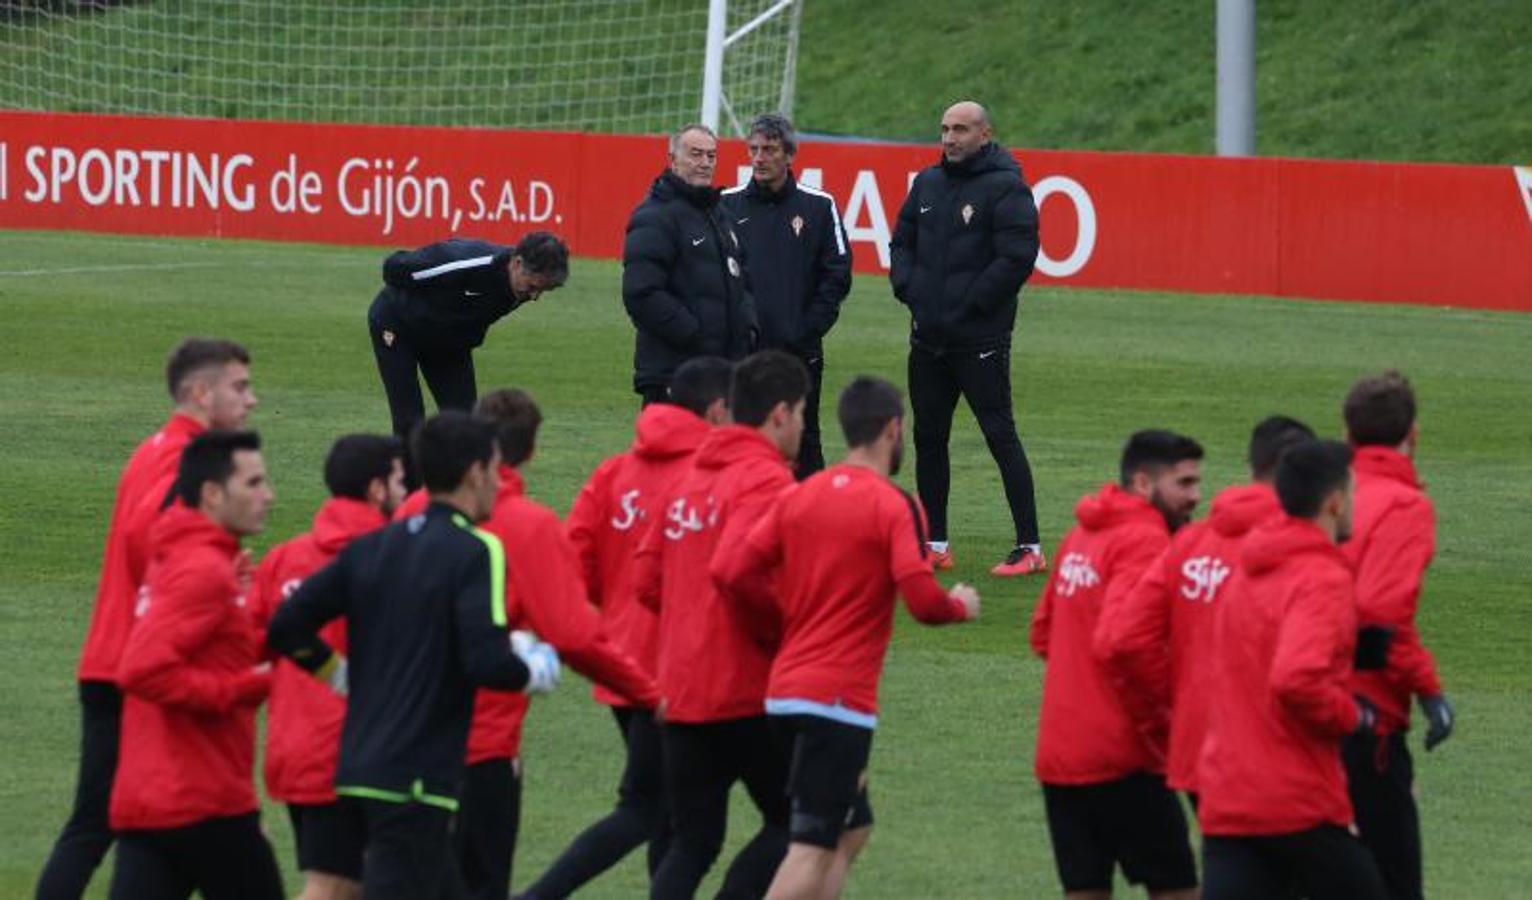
988, 353
698, 241
924, 210
741, 221
472, 294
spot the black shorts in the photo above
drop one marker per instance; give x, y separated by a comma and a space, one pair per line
1135, 822
327, 842
827, 781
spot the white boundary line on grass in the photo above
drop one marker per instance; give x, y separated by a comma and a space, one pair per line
126, 267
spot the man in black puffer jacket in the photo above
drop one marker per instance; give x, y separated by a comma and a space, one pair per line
964, 245
683, 276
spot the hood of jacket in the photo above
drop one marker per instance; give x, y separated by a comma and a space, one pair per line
342, 520
1285, 539
670, 186
731, 444
1238, 509
1385, 462
1112, 506
180, 528
990, 158
665, 430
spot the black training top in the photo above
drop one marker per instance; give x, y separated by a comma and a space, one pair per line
444, 296
424, 602
965, 243
800, 261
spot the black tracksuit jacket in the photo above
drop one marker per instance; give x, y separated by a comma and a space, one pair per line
800, 261
424, 601
444, 296
965, 243
684, 282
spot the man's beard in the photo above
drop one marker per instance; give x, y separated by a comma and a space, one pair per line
1173, 518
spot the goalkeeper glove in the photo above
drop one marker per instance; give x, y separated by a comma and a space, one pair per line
1440, 717
541, 660
334, 674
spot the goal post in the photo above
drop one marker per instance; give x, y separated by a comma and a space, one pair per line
634, 66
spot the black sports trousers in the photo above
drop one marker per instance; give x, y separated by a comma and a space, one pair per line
222, 859
1324, 863
409, 850
401, 363
937, 378
702, 762
1381, 778
639, 816
485, 829
87, 835
811, 454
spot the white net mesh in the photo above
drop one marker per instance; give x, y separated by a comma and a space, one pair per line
607, 65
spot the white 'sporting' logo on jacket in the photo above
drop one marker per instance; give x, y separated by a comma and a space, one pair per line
682, 518
1202, 576
631, 514
1076, 572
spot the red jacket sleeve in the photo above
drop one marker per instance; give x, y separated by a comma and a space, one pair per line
649, 566
543, 573
1132, 640
181, 613
1042, 615
746, 570
753, 505
928, 602
1388, 591
1311, 666
585, 528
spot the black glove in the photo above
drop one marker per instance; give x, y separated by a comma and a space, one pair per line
1367, 718
1372, 643
1440, 717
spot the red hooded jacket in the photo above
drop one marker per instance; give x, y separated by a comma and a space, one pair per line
1284, 635
715, 653
1392, 542
610, 517
1085, 735
1157, 637
145, 481
190, 682
304, 718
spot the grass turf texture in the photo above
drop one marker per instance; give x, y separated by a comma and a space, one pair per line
959, 812
1371, 79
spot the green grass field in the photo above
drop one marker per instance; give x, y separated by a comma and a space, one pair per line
88, 320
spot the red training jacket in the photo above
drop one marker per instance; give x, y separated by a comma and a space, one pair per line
715, 654
1085, 735
1158, 637
1284, 635
1392, 542
147, 476
190, 684
612, 513
838, 543
304, 718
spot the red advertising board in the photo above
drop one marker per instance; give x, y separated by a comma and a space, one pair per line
1437, 234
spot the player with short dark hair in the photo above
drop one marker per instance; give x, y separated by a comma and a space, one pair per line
1156, 637
610, 517
183, 804
365, 477
209, 384
832, 554
437, 304
800, 260
427, 622
1274, 809
1103, 782
1395, 540
714, 656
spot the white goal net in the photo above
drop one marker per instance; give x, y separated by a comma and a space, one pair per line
603, 65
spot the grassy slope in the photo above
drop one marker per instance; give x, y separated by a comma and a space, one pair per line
958, 809
1372, 79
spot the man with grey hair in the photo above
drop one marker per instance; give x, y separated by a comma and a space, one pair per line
800, 261
965, 243
683, 274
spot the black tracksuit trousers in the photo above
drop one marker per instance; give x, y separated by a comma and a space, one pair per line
937, 378
1381, 777
87, 835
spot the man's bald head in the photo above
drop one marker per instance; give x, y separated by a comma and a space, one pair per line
965, 130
